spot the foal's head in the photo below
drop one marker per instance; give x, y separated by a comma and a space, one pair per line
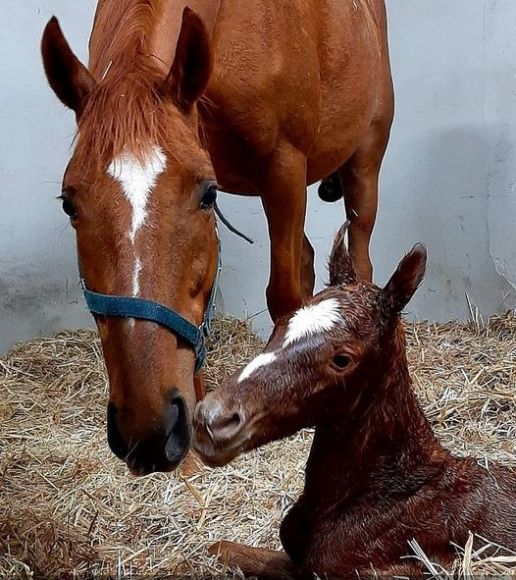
139, 192
315, 363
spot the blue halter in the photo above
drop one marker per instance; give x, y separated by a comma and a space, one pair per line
142, 309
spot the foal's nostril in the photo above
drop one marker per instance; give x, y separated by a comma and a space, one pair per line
224, 427
232, 422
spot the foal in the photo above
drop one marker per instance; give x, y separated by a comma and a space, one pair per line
377, 477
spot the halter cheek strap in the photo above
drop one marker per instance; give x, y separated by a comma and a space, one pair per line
142, 309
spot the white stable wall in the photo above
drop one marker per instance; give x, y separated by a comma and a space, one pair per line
448, 177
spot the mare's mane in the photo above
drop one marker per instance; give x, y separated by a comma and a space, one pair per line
125, 111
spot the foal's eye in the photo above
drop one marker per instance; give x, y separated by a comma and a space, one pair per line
340, 361
208, 195
68, 206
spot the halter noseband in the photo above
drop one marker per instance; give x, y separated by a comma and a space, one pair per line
142, 309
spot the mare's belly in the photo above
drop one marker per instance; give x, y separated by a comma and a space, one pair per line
315, 90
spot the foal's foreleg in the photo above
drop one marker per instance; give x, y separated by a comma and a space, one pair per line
414, 571
254, 561
283, 192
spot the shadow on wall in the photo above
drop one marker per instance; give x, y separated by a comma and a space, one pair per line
34, 303
502, 200
441, 198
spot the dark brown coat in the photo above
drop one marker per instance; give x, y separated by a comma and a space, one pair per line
377, 477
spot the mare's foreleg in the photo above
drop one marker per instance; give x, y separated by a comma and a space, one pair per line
359, 179
283, 193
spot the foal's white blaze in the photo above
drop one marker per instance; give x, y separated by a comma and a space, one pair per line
312, 320
261, 360
137, 179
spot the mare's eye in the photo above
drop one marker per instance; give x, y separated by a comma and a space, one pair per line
208, 195
340, 362
68, 206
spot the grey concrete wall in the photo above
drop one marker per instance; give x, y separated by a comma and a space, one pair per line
500, 118
38, 275
448, 178
449, 174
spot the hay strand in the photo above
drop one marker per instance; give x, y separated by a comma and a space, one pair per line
68, 508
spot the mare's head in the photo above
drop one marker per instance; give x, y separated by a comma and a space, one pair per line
139, 191
317, 361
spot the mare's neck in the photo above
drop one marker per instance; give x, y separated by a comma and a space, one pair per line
163, 40
146, 29
384, 447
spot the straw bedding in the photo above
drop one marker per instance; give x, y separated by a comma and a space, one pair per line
68, 508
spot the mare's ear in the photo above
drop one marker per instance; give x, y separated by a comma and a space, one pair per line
69, 78
405, 281
341, 266
193, 62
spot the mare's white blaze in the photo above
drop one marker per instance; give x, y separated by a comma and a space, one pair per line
313, 319
136, 276
261, 360
137, 179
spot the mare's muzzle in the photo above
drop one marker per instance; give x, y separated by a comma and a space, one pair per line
163, 448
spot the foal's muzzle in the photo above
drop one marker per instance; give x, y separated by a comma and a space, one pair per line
162, 448
219, 430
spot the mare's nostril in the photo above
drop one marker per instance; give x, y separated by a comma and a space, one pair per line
178, 429
157, 444
115, 440
173, 413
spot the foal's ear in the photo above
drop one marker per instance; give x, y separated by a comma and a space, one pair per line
193, 62
405, 281
341, 266
69, 78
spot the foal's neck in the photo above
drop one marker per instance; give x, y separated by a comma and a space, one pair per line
384, 446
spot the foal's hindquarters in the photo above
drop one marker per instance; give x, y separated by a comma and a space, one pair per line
377, 478
369, 535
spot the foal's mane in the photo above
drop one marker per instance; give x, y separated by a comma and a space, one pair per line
126, 109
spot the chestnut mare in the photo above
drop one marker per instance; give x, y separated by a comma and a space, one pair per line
258, 97
377, 477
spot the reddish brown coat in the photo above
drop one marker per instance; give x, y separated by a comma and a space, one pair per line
377, 477
263, 97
